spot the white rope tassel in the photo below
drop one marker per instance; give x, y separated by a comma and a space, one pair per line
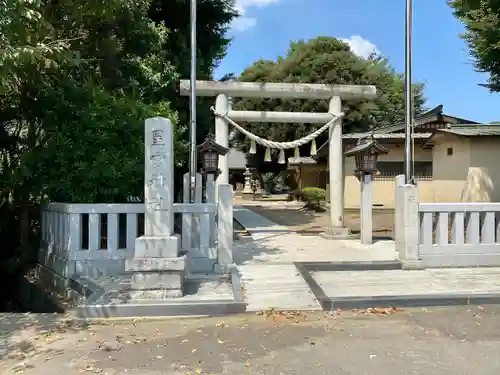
281, 159
296, 153
253, 147
267, 155
313, 148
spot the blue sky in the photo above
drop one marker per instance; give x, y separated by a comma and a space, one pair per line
440, 58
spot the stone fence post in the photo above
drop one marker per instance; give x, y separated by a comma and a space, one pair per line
407, 226
399, 181
225, 227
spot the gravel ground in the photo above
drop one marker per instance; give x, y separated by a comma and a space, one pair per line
312, 223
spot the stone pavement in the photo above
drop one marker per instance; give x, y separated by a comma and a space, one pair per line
265, 261
441, 281
270, 278
434, 341
274, 243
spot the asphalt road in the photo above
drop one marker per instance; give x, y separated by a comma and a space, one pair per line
457, 340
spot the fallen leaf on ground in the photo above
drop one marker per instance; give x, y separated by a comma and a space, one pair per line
378, 310
16, 356
294, 316
93, 369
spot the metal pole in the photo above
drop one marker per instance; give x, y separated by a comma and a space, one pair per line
192, 128
408, 96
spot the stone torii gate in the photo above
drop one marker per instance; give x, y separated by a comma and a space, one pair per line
334, 93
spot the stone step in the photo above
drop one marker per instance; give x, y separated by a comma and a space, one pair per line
155, 295
156, 264
206, 276
157, 280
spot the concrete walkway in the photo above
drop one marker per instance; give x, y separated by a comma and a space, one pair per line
274, 243
265, 261
266, 264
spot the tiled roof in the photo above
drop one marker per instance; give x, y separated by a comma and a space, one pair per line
473, 130
386, 136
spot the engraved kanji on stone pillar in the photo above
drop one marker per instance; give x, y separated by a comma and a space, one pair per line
159, 177
157, 269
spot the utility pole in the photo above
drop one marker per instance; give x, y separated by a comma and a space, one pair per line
408, 97
192, 128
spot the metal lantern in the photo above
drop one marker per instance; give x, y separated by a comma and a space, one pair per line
366, 153
209, 152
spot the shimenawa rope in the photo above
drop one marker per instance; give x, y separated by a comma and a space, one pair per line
282, 146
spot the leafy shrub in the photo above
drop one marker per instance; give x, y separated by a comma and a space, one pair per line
314, 197
269, 181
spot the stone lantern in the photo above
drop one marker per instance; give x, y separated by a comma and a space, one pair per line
366, 154
247, 192
209, 152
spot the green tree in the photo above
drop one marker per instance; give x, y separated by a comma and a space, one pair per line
101, 61
481, 19
325, 60
213, 20
57, 54
77, 80
74, 93
328, 60
24, 40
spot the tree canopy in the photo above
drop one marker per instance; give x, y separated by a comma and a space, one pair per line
77, 80
328, 60
482, 21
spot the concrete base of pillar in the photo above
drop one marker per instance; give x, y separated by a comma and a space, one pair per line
157, 277
334, 233
223, 269
247, 196
157, 246
247, 190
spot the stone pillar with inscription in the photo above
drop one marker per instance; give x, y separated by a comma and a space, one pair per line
157, 269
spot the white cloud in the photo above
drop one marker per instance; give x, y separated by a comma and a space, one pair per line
361, 47
244, 22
